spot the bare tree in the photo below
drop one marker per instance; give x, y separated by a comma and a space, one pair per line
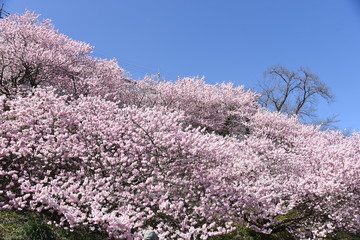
294, 93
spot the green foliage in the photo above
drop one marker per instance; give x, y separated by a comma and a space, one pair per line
10, 225
344, 236
82, 233
31, 226
293, 214
243, 233
6, 108
36, 230
22, 128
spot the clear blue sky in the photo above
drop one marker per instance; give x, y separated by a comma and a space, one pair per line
231, 40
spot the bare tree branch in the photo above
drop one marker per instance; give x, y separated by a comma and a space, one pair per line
294, 92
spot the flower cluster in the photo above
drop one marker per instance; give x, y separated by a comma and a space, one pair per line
191, 160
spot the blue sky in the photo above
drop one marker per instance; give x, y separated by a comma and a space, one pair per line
231, 40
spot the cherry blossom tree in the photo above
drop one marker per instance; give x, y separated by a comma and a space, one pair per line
34, 54
221, 108
119, 169
83, 142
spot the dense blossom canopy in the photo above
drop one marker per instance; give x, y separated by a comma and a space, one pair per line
191, 160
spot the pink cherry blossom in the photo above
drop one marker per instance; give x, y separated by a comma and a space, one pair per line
82, 141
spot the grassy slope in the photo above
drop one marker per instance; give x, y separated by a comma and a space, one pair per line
32, 226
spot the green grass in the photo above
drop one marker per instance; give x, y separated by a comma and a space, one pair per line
32, 226
11, 224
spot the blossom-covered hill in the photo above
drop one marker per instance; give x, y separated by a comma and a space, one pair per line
82, 141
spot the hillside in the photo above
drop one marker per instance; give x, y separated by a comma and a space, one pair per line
92, 151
